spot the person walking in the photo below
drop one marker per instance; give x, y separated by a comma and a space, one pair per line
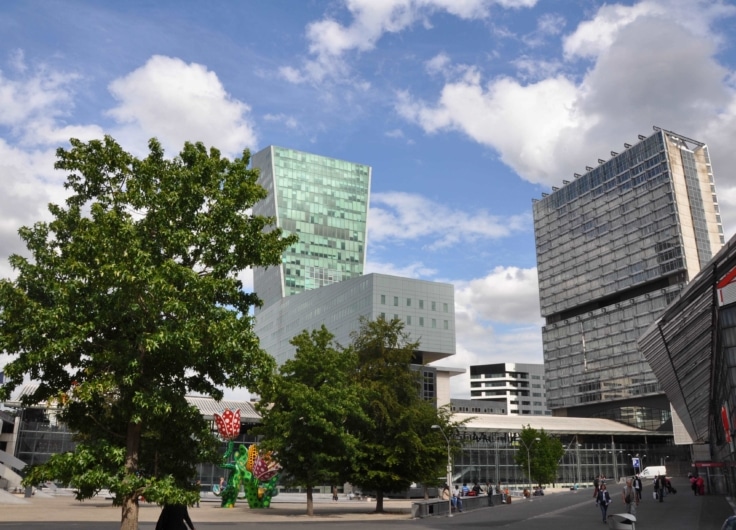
628, 495
638, 487
659, 483
603, 500
174, 517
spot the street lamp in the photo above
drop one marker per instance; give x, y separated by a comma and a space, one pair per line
449, 470
528, 462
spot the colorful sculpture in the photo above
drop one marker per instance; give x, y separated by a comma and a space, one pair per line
256, 473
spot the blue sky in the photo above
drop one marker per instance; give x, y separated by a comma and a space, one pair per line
465, 109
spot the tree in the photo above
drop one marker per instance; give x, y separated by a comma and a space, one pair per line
130, 301
305, 411
544, 454
398, 444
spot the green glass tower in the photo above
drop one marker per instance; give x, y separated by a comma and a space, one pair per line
325, 202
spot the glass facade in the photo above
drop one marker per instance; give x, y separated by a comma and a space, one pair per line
325, 202
614, 248
489, 457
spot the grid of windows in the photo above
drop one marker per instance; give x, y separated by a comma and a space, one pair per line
610, 257
324, 201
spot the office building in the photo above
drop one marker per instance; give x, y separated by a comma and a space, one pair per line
515, 388
325, 202
320, 281
614, 247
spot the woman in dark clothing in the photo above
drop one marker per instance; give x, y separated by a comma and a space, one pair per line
174, 517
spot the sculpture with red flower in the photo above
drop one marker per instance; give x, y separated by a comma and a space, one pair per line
256, 473
228, 424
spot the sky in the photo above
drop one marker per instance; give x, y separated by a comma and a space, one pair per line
465, 109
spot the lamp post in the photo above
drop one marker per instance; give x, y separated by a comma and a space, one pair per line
528, 462
449, 469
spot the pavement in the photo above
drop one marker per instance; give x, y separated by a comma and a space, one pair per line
558, 510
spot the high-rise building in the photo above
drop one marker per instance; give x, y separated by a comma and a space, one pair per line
614, 247
515, 388
320, 280
325, 202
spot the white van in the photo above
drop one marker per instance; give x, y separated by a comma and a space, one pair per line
653, 471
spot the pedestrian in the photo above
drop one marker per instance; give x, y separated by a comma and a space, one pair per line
466, 489
174, 517
334, 493
638, 487
603, 500
659, 484
596, 485
694, 484
457, 502
628, 495
701, 485
476, 489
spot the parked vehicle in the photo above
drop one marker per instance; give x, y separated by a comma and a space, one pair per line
653, 471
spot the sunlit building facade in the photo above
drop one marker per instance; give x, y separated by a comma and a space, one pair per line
325, 202
614, 247
515, 388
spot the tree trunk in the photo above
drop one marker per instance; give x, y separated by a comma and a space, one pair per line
379, 501
310, 501
426, 491
129, 515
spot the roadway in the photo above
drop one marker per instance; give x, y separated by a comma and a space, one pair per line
563, 510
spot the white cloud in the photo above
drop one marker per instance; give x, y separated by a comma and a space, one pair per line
402, 216
178, 102
496, 320
289, 121
652, 66
413, 270
31, 106
329, 40
507, 295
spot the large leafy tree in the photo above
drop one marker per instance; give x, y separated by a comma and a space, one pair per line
398, 445
129, 301
543, 455
306, 409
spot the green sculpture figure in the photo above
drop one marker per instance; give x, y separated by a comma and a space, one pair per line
256, 473
246, 471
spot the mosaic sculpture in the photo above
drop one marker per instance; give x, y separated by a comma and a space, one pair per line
257, 473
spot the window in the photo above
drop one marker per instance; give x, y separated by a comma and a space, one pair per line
445, 307
434, 323
396, 317
396, 300
421, 321
408, 320
421, 304
383, 316
446, 324
434, 306
408, 302
383, 299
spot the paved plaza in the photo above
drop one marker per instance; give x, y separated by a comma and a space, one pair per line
561, 510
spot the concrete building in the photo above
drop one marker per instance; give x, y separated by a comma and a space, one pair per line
515, 388
320, 281
614, 247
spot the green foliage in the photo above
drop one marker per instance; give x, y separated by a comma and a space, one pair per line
305, 411
545, 452
397, 445
131, 300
